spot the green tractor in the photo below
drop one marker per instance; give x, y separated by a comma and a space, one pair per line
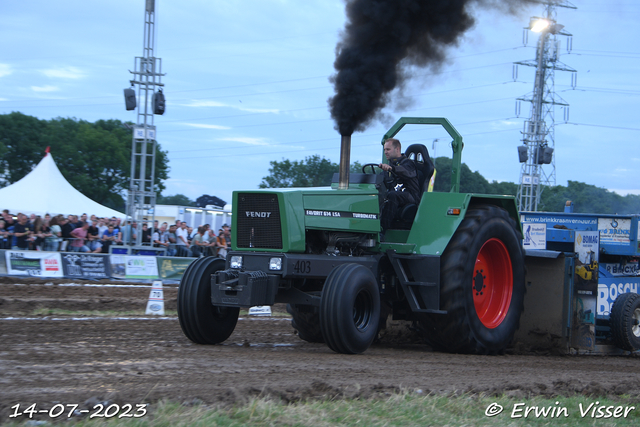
453, 263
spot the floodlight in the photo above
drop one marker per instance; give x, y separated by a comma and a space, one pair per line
538, 25
130, 99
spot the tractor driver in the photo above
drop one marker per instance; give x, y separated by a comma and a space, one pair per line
401, 179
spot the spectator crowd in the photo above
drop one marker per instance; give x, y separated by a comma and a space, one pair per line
96, 235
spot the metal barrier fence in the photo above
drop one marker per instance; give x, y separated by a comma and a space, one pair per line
117, 248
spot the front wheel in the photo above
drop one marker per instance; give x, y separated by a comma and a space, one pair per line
350, 309
202, 322
306, 321
625, 321
482, 285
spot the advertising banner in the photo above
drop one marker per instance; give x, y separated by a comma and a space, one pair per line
585, 296
34, 263
171, 268
610, 287
614, 231
3, 264
134, 267
535, 235
86, 266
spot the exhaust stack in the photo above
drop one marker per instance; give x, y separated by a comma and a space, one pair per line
345, 162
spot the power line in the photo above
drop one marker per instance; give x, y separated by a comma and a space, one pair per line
600, 126
366, 135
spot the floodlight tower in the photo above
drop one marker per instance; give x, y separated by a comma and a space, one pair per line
147, 75
538, 136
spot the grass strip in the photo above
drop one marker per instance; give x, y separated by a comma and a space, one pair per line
397, 409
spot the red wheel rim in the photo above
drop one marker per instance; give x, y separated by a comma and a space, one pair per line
492, 285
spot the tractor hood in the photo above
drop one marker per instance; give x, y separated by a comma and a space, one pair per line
276, 219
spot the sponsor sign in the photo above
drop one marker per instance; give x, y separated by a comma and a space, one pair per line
133, 267
614, 231
87, 266
3, 264
617, 270
535, 235
610, 288
587, 246
552, 219
34, 263
172, 268
141, 267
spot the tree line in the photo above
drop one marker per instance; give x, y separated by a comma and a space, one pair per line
316, 171
94, 157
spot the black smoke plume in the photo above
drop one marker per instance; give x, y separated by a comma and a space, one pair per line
382, 40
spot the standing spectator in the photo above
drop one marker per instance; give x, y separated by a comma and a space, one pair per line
79, 236
22, 231
200, 244
102, 226
161, 240
221, 243
116, 223
227, 234
129, 232
182, 240
93, 238
212, 239
40, 233
146, 233
52, 242
74, 221
4, 244
109, 237
9, 223
67, 227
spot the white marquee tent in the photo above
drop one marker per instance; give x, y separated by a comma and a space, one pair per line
45, 190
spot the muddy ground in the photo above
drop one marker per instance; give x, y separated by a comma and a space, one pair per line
128, 357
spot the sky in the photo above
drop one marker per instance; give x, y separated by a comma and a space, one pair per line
247, 83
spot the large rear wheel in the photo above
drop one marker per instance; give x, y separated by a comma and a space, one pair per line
201, 321
482, 285
350, 309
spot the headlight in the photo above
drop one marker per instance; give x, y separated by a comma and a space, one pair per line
275, 264
236, 262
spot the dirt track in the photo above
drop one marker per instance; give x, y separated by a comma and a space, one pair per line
135, 358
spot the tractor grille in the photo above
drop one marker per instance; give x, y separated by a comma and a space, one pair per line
258, 221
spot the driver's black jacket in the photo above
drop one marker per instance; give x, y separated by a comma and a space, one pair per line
404, 177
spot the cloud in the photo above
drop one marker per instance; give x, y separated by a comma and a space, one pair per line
246, 140
216, 104
47, 88
202, 126
258, 110
5, 70
64, 73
